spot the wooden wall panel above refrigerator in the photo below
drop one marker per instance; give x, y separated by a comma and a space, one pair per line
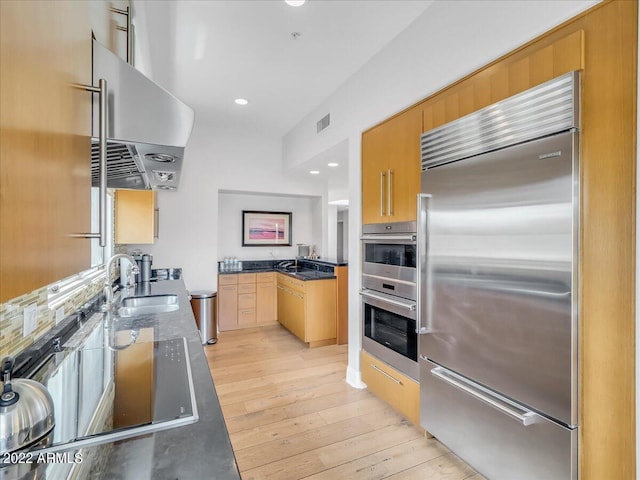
391, 169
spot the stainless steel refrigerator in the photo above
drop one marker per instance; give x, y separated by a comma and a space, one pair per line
497, 258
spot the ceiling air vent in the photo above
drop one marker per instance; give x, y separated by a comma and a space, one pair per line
323, 123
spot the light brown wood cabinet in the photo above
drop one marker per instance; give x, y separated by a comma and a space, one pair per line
45, 143
308, 309
246, 300
391, 169
135, 216
266, 298
395, 388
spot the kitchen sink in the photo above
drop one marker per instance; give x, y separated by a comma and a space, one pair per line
150, 304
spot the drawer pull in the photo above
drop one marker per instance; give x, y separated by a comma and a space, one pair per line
393, 379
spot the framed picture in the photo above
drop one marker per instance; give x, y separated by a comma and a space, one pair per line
266, 229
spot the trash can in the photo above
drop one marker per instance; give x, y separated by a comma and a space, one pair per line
203, 304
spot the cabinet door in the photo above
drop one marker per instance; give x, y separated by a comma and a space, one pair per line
321, 310
403, 173
45, 143
227, 307
374, 175
391, 169
266, 302
297, 319
282, 305
135, 216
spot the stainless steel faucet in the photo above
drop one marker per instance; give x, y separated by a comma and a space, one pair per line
108, 291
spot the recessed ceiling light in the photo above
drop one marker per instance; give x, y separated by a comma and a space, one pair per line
314, 172
295, 3
241, 101
332, 164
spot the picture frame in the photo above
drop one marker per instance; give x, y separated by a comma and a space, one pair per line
266, 229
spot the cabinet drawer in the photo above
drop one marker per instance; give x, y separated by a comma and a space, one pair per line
265, 277
231, 290
247, 278
398, 390
291, 282
247, 288
227, 279
246, 300
247, 315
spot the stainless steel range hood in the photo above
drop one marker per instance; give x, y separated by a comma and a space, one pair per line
147, 127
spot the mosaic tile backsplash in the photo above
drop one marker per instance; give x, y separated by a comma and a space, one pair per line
12, 316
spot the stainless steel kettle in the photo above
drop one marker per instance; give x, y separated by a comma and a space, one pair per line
26, 410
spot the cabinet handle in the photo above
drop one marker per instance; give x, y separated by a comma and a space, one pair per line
390, 191
382, 175
128, 29
393, 379
156, 220
101, 90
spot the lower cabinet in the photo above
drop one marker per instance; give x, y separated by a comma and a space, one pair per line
398, 390
308, 309
246, 300
266, 311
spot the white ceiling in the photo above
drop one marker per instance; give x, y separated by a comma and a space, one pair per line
210, 52
225, 49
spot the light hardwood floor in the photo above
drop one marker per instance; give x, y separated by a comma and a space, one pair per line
291, 415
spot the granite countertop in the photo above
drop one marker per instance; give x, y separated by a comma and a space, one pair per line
198, 450
307, 269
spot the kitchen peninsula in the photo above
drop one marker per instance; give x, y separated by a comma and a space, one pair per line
308, 297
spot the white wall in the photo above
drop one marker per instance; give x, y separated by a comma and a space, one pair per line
230, 207
447, 42
217, 159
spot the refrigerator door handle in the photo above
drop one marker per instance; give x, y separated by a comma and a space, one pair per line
527, 418
423, 285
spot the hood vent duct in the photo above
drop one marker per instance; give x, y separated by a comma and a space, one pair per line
147, 127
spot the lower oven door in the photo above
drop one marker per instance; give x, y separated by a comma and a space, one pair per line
390, 330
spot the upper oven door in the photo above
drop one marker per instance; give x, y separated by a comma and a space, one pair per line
390, 256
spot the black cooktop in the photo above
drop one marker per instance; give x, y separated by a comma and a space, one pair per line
108, 390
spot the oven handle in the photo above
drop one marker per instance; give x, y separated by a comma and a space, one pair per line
409, 238
408, 306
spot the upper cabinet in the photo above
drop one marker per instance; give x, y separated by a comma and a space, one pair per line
135, 216
45, 145
391, 169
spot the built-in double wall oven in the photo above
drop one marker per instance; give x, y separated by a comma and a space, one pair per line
389, 294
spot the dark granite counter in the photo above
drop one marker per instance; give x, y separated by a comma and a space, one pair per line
199, 450
302, 269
